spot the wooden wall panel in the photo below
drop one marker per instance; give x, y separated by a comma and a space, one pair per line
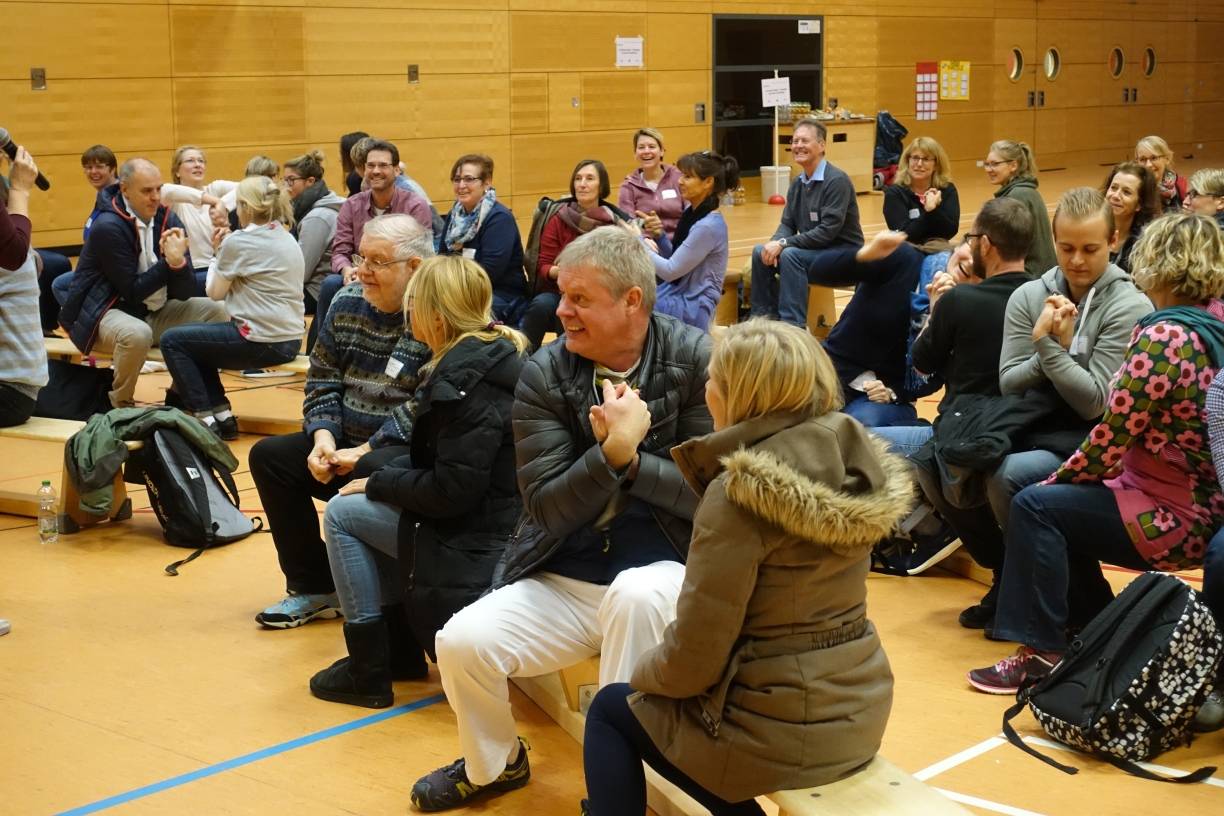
88, 42
850, 42
126, 114
970, 40
232, 111
259, 41
475, 105
858, 90
568, 42
440, 42
529, 103
672, 95
678, 41
613, 100
543, 163
564, 102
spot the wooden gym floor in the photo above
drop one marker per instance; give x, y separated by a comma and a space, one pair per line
123, 690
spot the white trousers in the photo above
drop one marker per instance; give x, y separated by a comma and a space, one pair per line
541, 624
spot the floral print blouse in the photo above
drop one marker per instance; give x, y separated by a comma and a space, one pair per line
1151, 447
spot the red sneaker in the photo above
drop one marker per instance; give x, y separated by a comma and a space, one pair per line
1006, 676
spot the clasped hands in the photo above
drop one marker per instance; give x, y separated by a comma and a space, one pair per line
1057, 319
620, 424
325, 461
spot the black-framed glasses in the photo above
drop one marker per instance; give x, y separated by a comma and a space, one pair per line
922, 159
968, 235
1192, 194
469, 180
292, 179
377, 266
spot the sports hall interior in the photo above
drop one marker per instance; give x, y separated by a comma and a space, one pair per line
127, 691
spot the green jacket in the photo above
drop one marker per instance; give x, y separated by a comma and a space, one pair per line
95, 454
1040, 257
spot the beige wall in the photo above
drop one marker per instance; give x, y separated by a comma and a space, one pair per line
533, 82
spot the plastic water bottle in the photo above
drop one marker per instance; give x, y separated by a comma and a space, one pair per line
48, 523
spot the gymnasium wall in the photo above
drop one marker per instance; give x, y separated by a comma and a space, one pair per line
533, 82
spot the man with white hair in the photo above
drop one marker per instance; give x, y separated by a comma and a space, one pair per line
363, 372
598, 563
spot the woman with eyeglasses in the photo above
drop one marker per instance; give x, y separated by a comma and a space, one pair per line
584, 209
652, 192
480, 228
1131, 192
1205, 195
691, 266
258, 272
1013, 169
200, 205
315, 210
923, 202
1155, 154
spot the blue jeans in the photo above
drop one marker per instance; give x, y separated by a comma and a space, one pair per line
1052, 579
904, 440
362, 539
1016, 472
62, 286
194, 352
1213, 577
782, 291
327, 290
879, 414
55, 266
509, 309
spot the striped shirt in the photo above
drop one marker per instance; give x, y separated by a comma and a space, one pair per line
23, 357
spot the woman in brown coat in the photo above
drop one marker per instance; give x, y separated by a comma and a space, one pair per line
771, 677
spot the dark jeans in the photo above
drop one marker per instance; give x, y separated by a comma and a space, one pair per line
327, 290
782, 291
613, 751
1213, 577
15, 407
975, 527
878, 414
54, 265
286, 487
509, 308
541, 317
1056, 538
194, 352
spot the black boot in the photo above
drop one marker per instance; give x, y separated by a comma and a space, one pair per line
981, 614
364, 677
407, 658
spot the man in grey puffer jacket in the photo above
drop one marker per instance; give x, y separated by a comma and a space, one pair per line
598, 563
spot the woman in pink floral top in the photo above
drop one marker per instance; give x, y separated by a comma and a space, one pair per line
1141, 492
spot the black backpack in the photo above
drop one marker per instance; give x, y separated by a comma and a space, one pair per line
194, 508
1128, 687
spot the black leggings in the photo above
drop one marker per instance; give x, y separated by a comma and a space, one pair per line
614, 749
15, 407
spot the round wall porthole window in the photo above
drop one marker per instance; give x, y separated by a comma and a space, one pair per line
1117, 62
1149, 61
1053, 63
1015, 65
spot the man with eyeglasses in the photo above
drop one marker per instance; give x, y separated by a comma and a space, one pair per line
356, 417
821, 213
1205, 195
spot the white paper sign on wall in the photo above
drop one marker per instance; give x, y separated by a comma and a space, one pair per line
629, 52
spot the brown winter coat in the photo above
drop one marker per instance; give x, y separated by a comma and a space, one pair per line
771, 677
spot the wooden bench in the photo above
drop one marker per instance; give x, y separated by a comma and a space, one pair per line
71, 517
61, 348
879, 789
821, 313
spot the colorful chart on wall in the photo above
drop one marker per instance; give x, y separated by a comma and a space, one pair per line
953, 80
926, 91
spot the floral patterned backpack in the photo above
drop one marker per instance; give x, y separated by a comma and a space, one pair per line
1128, 687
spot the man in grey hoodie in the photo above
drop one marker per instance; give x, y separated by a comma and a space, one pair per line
1065, 332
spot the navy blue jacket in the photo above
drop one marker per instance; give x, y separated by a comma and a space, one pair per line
106, 275
499, 251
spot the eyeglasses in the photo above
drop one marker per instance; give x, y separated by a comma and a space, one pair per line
377, 266
969, 235
292, 179
989, 165
1193, 194
921, 160
468, 180
378, 166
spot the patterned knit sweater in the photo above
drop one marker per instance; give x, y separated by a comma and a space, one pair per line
1151, 446
363, 372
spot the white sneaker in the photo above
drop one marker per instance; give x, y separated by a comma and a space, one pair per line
263, 373
152, 367
5, 626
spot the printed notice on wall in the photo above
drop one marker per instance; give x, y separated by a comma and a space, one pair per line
953, 80
809, 26
775, 92
926, 91
629, 52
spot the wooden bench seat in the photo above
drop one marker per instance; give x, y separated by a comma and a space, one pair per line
61, 348
822, 309
71, 517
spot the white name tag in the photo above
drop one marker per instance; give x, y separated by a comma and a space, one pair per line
469, 253
914, 213
394, 367
666, 194
814, 215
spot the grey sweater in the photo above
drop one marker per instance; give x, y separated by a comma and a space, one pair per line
315, 235
1107, 317
258, 272
821, 213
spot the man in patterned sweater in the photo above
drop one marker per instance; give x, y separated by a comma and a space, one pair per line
363, 372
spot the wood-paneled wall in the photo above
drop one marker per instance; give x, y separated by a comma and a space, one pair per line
533, 82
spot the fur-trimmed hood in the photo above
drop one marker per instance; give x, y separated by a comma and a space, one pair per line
823, 479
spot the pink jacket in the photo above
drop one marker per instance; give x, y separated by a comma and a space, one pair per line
665, 201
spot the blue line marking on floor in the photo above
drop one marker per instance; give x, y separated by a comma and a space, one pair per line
247, 759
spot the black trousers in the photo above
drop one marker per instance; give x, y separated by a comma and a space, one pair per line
286, 487
54, 265
15, 407
613, 751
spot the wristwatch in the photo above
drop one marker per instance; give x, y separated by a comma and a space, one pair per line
782, 243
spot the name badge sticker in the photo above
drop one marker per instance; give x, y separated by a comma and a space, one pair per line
470, 253
914, 213
666, 194
814, 215
394, 367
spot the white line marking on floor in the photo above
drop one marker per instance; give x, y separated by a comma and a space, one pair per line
1164, 769
986, 804
964, 756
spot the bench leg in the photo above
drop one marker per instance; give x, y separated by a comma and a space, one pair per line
72, 519
822, 311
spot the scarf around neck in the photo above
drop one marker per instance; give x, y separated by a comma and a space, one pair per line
1197, 319
305, 202
464, 225
691, 216
583, 221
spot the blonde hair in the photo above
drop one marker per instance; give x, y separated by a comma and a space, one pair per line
455, 291
177, 161
1181, 251
1157, 145
764, 366
1020, 153
262, 166
649, 132
941, 176
265, 200
1209, 181
1084, 204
